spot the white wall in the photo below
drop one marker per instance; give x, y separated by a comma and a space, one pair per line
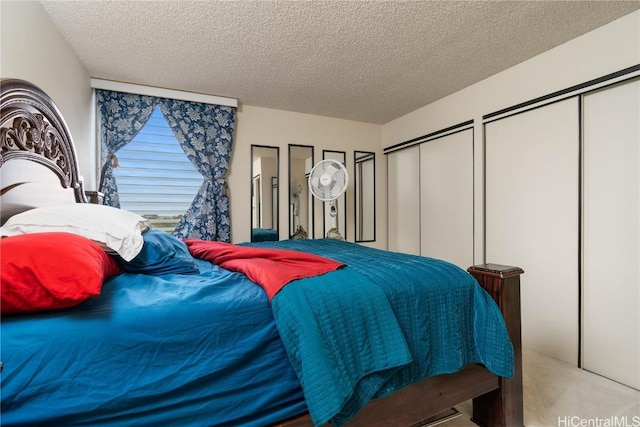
33, 49
605, 50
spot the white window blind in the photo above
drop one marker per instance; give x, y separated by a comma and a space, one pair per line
155, 178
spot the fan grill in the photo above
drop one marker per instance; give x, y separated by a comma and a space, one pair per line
328, 180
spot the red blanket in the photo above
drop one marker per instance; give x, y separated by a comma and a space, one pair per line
270, 268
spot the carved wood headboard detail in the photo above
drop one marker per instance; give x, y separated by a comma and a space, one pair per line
33, 129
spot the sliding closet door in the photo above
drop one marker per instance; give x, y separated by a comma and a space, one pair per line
532, 162
446, 198
611, 254
403, 171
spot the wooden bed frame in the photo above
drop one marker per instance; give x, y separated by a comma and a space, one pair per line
33, 129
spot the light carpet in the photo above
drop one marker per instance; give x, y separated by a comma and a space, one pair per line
561, 395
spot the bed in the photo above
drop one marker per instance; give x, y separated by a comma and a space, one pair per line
160, 330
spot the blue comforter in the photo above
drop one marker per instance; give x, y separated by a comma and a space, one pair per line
168, 350
205, 349
383, 322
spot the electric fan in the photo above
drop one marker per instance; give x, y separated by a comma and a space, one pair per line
327, 181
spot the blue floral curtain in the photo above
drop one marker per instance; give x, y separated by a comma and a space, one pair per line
205, 133
121, 117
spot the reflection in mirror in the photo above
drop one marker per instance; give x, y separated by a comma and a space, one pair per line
300, 199
340, 202
365, 193
264, 193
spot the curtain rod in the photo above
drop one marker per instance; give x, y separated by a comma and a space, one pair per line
162, 92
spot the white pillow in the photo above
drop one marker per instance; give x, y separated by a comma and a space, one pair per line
113, 228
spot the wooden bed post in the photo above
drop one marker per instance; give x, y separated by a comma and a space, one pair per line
504, 406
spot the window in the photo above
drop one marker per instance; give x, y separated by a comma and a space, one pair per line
155, 178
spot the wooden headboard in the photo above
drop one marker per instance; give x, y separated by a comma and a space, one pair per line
35, 148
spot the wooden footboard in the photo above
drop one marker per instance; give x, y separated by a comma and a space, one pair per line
503, 406
496, 401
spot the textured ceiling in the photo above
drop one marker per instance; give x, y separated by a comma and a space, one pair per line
369, 61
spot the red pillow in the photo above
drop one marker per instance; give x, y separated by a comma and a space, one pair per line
44, 271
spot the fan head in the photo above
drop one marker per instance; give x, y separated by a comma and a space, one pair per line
328, 180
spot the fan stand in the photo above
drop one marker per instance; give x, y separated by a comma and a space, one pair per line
333, 232
300, 232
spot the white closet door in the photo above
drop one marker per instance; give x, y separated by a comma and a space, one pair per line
403, 169
611, 282
446, 198
531, 171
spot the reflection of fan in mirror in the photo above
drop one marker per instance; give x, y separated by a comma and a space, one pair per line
327, 181
296, 190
